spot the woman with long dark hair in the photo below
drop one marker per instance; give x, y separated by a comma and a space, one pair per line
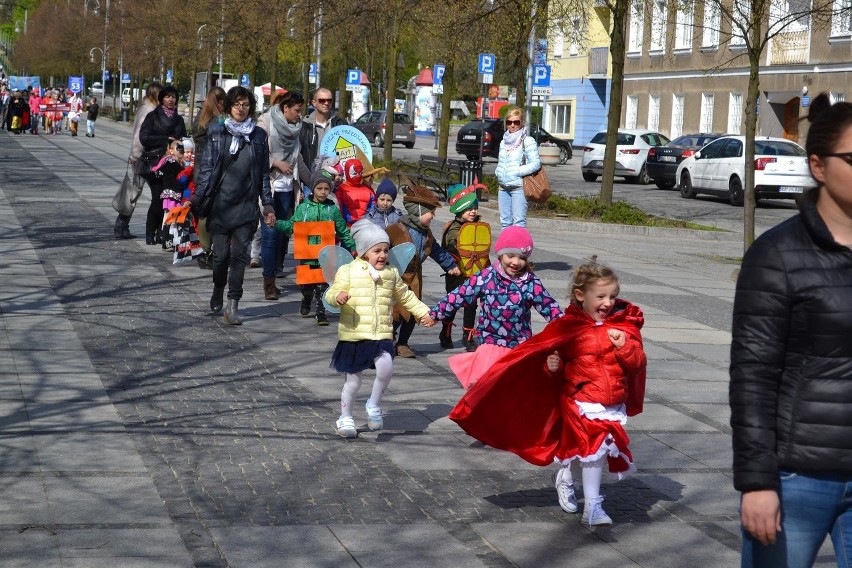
161, 127
234, 173
212, 111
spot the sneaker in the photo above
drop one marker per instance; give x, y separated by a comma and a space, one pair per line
374, 417
565, 490
305, 308
346, 427
255, 263
322, 319
593, 513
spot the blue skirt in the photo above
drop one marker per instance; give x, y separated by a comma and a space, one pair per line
356, 356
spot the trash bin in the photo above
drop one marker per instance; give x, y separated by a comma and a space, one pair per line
125, 114
471, 171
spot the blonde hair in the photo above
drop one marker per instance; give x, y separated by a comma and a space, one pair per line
513, 112
588, 273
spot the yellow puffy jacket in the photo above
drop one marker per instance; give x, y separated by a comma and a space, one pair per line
369, 312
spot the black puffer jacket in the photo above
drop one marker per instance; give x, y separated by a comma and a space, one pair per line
791, 354
210, 172
157, 128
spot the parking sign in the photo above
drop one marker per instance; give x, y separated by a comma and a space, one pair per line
245, 80
487, 63
353, 79
438, 74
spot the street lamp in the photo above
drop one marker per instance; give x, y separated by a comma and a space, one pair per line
104, 53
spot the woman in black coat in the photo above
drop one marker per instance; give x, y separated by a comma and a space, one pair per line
162, 126
234, 171
791, 365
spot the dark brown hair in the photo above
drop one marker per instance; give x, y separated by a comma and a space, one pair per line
237, 93
829, 123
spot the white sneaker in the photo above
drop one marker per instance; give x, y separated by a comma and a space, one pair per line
374, 417
594, 515
565, 490
346, 427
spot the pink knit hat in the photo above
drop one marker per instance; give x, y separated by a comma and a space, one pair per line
514, 240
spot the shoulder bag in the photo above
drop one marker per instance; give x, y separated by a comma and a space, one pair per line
536, 185
128, 194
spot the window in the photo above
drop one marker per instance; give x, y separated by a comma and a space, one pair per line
706, 123
841, 19
575, 37
558, 41
637, 26
733, 149
659, 19
837, 98
791, 15
683, 26
713, 149
712, 21
742, 15
560, 118
654, 112
677, 116
735, 113
632, 111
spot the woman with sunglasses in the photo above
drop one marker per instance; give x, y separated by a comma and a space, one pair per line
234, 172
518, 158
791, 365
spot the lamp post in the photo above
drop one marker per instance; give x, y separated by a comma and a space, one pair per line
103, 65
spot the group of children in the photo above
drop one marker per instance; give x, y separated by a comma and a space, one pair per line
175, 169
561, 396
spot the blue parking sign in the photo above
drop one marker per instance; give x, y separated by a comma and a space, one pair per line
125, 77
541, 75
353, 77
106, 75
487, 63
438, 75
245, 80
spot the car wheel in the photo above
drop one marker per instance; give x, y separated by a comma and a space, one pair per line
409, 145
642, 178
665, 184
590, 176
377, 140
735, 192
564, 155
686, 189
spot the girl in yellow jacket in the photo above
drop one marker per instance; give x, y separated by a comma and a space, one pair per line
365, 290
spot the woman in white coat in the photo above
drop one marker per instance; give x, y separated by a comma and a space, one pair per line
518, 158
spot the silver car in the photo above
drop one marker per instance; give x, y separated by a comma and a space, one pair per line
372, 124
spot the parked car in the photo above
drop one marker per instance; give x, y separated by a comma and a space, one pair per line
662, 161
372, 124
96, 90
467, 140
632, 150
780, 169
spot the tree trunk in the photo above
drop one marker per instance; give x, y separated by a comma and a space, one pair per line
393, 56
616, 50
449, 82
749, 201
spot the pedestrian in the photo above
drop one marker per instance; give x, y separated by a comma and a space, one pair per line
16, 112
318, 207
382, 212
234, 172
92, 110
518, 157
365, 290
162, 125
314, 128
507, 293
791, 365
591, 377
76, 109
35, 110
121, 227
468, 239
283, 126
213, 110
420, 205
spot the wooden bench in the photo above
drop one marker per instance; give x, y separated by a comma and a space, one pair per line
432, 172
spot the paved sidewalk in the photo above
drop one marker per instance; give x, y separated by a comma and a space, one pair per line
137, 430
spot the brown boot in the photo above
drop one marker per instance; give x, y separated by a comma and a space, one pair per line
269, 289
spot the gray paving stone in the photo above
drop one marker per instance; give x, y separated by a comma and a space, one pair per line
136, 544
63, 416
289, 545
35, 546
88, 451
23, 502
94, 499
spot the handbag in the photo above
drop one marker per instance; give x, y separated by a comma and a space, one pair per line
126, 197
536, 185
148, 160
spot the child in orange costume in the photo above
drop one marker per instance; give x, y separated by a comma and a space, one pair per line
354, 197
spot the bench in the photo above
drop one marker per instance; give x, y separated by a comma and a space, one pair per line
432, 172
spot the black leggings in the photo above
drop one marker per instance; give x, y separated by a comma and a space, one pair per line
154, 221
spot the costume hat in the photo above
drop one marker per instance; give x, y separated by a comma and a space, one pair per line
461, 198
421, 196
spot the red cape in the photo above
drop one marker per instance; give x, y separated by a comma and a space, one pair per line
517, 406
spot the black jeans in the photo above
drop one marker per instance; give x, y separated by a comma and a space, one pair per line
154, 221
230, 256
405, 328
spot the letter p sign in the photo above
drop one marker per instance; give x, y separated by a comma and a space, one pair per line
353, 77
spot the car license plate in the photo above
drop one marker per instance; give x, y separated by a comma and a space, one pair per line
668, 158
789, 189
470, 137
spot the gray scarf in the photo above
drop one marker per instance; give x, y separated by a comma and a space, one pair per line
238, 130
284, 140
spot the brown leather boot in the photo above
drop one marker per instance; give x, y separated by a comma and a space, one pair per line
269, 289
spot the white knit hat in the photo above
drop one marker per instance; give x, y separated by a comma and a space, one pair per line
367, 235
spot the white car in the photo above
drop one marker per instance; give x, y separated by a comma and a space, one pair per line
97, 90
780, 169
632, 150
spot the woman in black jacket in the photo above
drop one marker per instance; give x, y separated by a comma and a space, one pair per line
791, 365
161, 126
234, 171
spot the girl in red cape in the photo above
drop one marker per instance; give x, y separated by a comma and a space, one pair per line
590, 369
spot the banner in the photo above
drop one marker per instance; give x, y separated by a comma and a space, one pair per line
21, 82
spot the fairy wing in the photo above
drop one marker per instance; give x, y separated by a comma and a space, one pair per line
400, 256
331, 258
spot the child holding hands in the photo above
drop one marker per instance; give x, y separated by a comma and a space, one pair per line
365, 289
592, 378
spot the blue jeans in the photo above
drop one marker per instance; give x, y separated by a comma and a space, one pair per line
812, 506
273, 244
513, 207
90, 127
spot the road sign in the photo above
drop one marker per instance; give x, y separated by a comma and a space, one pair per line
438, 74
312, 73
487, 63
541, 76
106, 74
353, 79
170, 75
438, 89
125, 77
245, 80
542, 91
75, 84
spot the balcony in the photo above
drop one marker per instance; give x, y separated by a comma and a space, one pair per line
598, 62
789, 48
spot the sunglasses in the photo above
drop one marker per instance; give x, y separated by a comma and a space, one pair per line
324, 101
845, 156
513, 123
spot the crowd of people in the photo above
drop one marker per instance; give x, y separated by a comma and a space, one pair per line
51, 111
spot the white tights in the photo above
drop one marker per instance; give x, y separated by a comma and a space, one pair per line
592, 473
384, 374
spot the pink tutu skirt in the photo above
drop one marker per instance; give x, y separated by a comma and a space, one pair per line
469, 367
